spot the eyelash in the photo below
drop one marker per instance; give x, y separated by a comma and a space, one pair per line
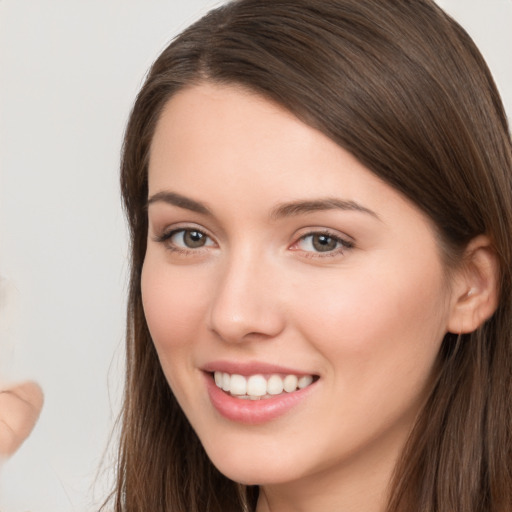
165, 238
342, 244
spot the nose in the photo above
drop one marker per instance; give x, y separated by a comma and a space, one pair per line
245, 303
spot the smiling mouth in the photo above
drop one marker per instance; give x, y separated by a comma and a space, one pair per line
261, 387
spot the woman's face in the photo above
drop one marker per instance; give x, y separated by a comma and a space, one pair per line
276, 260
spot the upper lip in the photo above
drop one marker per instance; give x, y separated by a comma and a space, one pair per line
250, 368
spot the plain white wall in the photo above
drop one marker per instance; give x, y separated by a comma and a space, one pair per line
69, 71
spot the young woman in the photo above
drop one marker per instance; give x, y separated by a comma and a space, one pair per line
320, 202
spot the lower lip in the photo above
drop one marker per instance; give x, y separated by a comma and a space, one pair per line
254, 412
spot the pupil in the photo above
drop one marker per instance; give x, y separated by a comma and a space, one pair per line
194, 239
324, 243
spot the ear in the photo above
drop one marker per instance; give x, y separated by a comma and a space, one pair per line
475, 287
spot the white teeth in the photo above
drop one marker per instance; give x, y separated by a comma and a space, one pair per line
290, 383
305, 381
275, 385
238, 385
257, 386
226, 381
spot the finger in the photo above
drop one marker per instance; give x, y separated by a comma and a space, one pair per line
20, 407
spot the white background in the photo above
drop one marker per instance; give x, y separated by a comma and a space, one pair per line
69, 71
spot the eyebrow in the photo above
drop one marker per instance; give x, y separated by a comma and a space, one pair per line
309, 206
291, 209
180, 201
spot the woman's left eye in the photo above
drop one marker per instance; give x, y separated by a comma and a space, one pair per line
322, 243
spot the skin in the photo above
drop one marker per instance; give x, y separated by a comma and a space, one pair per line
20, 406
367, 317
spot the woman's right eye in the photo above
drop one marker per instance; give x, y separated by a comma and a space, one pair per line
185, 239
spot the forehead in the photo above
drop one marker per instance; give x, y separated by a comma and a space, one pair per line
208, 116
208, 131
229, 145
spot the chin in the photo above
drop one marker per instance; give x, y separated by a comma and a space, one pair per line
251, 475
253, 468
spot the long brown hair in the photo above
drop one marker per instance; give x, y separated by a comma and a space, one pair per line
401, 86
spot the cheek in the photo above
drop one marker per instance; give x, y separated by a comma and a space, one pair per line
172, 304
380, 339
379, 326
174, 308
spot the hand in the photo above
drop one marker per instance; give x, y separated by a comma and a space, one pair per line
20, 406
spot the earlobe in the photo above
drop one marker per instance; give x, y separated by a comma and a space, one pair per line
475, 288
